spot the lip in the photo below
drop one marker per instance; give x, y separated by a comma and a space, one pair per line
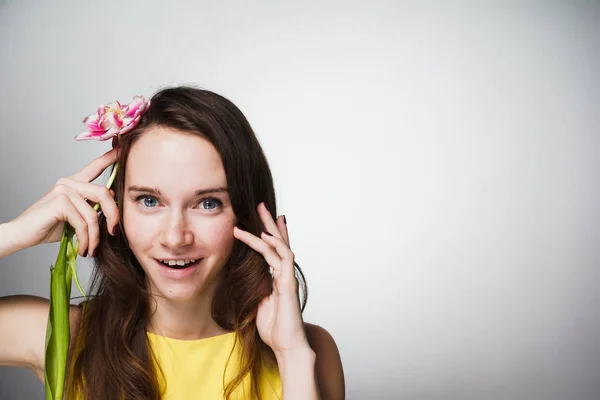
177, 273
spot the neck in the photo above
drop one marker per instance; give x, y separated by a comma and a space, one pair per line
184, 319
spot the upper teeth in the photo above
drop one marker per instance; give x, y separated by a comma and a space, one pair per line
177, 262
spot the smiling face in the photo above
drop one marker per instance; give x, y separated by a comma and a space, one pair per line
176, 207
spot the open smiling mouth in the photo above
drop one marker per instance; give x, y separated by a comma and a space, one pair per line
179, 264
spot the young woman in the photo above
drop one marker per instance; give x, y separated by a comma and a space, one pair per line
196, 295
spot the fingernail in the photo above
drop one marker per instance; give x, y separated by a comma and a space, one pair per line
267, 233
92, 253
284, 220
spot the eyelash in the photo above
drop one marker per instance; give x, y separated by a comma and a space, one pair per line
218, 202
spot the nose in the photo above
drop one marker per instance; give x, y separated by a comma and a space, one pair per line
175, 232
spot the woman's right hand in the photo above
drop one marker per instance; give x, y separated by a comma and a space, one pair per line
44, 221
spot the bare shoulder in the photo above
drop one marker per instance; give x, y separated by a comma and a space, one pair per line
329, 370
23, 321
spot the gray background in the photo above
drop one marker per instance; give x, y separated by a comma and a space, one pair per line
438, 165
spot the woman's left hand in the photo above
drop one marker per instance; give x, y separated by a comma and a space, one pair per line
279, 320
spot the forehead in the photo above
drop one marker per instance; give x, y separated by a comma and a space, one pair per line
170, 159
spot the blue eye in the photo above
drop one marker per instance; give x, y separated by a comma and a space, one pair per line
210, 202
149, 201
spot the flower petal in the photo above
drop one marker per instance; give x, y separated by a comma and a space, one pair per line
137, 106
90, 135
114, 119
91, 120
132, 124
114, 131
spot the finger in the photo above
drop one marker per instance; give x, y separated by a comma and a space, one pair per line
96, 167
259, 245
70, 214
267, 220
96, 194
286, 255
90, 216
105, 197
282, 225
277, 255
91, 219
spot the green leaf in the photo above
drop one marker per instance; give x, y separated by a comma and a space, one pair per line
58, 332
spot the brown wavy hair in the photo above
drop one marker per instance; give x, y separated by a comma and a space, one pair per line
113, 358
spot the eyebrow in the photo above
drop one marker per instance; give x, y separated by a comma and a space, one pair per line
199, 192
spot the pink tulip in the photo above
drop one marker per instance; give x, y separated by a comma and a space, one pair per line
114, 119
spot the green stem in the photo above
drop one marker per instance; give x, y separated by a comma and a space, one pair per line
111, 179
57, 330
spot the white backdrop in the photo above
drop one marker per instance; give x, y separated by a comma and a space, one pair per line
438, 167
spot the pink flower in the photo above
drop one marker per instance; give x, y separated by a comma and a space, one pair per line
114, 119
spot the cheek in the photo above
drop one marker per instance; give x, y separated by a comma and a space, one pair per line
219, 234
139, 230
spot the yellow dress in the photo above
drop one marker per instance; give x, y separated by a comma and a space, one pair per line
193, 369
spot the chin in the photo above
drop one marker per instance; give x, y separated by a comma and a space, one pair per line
182, 290
179, 293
